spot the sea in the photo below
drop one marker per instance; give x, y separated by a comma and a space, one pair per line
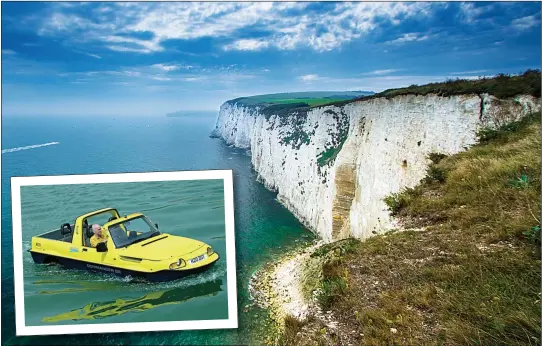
78, 144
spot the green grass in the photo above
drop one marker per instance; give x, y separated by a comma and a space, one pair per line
398, 201
312, 102
324, 273
472, 277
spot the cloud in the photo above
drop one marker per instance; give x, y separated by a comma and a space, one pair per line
411, 37
288, 25
166, 67
130, 44
94, 55
468, 72
161, 78
8, 52
193, 79
381, 72
469, 12
247, 45
526, 23
88, 54
309, 77
128, 49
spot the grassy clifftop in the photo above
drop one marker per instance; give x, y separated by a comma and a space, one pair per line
297, 99
464, 270
501, 86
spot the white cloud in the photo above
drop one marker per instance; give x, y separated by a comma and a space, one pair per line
309, 77
527, 22
128, 49
132, 73
89, 54
8, 52
470, 13
468, 72
411, 37
247, 45
94, 55
130, 44
290, 24
161, 78
193, 79
166, 67
381, 72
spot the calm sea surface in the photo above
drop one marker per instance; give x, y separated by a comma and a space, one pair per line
87, 145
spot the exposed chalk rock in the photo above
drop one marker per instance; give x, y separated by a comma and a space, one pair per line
333, 165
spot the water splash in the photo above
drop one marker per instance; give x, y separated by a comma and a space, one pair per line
28, 147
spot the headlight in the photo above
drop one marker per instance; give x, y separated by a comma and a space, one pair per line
179, 264
209, 251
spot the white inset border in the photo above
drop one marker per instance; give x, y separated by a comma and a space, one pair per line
20, 326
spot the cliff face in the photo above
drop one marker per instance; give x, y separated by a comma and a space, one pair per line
332, 166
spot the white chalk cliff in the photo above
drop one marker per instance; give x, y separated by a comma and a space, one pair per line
333, 165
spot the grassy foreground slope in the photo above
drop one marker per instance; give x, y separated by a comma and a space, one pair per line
464, 270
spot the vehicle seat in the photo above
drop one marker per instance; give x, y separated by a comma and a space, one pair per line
68, 236
87, 233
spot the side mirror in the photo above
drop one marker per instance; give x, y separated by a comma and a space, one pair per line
101, 247
156, 225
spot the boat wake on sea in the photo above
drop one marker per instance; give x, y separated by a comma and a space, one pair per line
28, 147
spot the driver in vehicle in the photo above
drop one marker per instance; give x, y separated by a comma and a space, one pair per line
99, 235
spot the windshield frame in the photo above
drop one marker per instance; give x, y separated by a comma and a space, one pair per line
124, 243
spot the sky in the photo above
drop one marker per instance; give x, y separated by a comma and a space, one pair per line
151, 58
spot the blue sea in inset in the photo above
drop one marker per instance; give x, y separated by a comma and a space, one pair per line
90, 145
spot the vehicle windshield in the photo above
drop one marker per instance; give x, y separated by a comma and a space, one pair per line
132, 231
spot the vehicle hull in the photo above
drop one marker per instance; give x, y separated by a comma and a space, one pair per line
159, 276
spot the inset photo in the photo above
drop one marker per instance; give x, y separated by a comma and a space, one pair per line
124, 252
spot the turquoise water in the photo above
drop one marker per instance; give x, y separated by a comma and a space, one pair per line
193, 209
263, 228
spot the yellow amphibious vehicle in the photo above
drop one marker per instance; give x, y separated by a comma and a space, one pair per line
134, 247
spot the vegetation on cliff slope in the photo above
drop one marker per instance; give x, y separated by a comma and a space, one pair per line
466, 271
332, 149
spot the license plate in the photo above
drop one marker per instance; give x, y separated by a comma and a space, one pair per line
197, 259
